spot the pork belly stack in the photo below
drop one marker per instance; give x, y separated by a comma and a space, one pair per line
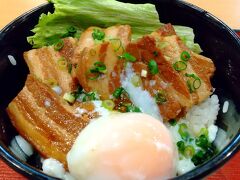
46, 121
50, 123
163, 46
52, 67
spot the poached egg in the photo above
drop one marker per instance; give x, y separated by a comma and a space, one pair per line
123, 146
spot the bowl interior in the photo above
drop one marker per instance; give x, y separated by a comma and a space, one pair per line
216, 39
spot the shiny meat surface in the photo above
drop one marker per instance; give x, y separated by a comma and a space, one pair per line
198, 65
46, 121
170, 108
107, 82
120, 35
165, 47
89, 52
52, 67
51, 125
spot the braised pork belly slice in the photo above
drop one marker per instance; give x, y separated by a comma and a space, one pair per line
172, 47
165, 47
103, 83
119, 36
46, 121
54, 67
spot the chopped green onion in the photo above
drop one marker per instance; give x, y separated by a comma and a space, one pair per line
153, 67
90, 97
192, 86
116, 44
203, 131
98, 34
128, 57
179, 65
71, 29
160, 97
197, 83
132, 108
192, 76
136, 81
205, 154
62, 63
77, 93
185, 56
189, 151
58, 45
211, 150
172, 122
181, 146
198, 158
108, 104
98, 69
190, 139
69, 97
186, 150
117, 93
183, 131
202, 141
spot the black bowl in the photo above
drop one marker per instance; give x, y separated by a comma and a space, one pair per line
217, 40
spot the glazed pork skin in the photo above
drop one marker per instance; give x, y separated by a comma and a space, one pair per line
119, 34
107, 82
46, 121
52, 67
199, 65
88, 52
151, 47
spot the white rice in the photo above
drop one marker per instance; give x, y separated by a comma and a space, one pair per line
184, 166
21, 148
225, 107
57, 89
12, 60
203, 115
101, 110
212, 132
199, 116
138, 96
80, 111
56, 169
24, 145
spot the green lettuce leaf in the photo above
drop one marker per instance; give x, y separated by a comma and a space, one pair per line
187, 36
143, 19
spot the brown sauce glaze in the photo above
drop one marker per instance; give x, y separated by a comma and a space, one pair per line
68, 49
146, 50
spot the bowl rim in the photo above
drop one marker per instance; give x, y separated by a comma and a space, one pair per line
203, 170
